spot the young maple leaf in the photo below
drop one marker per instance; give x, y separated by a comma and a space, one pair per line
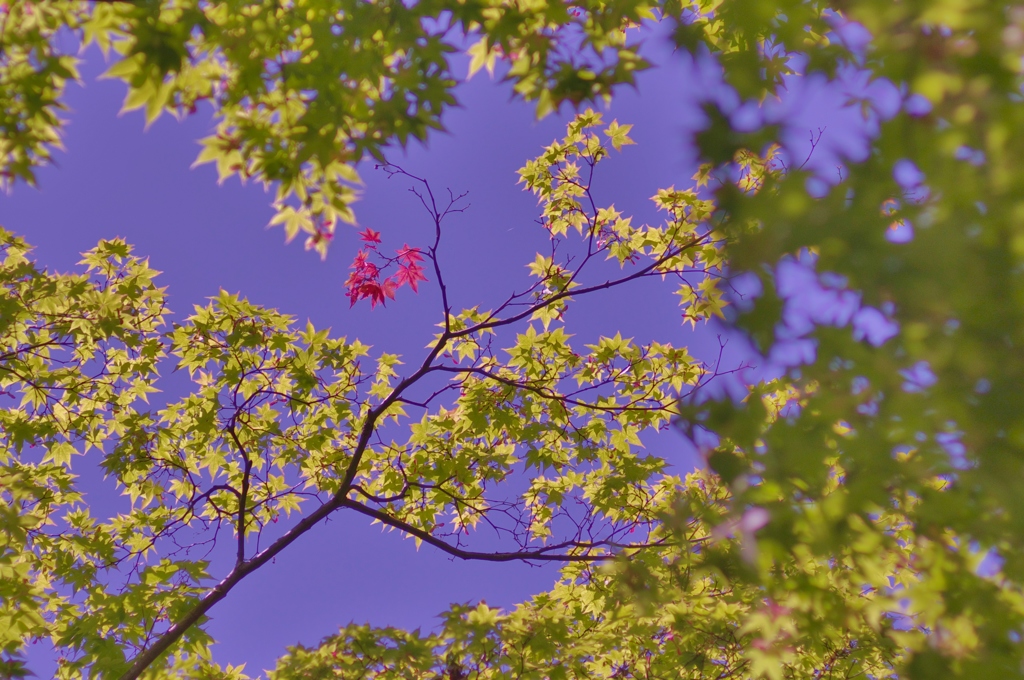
409, 256
378, 292
356, 293
364, 280
361, 261
366, 289
411, 274
369, 235
387, 290
409, 270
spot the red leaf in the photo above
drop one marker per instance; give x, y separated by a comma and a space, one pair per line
364, 279
411, 274
409, 256
369, 235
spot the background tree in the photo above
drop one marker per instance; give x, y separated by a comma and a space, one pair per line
853, 502
926, 231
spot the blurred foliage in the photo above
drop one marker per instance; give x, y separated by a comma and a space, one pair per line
926, 233
302, 89
858, 517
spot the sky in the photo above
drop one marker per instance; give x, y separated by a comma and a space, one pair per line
117, 178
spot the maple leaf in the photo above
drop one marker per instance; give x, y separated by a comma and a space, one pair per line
378, 292
366, 289
409, 256
362, 267
411, 274
387, 290
356, 293
369, 235
364, 280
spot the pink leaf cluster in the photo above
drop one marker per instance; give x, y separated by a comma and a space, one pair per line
366, 280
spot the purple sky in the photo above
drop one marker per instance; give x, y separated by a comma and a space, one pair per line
116, 179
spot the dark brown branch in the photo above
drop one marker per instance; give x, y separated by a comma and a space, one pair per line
649, 270
220, 591
28, 348
553, 396
545, 554
243, 495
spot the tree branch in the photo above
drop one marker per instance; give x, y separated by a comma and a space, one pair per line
220, 591
649, 270
545, 554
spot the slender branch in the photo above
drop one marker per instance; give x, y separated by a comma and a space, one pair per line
28, 348
437, 216
545, 554
220, 591
554, 396
649, 270
243, 495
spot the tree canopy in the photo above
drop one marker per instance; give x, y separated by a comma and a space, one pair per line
858, 514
